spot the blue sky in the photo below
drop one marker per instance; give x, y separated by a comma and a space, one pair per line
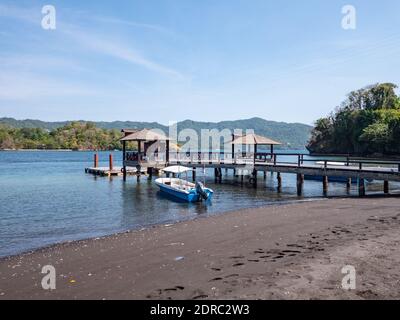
171, 60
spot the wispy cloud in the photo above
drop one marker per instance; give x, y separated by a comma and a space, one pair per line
103, 45
134, 24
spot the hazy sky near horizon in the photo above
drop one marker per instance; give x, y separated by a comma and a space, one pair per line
203, 60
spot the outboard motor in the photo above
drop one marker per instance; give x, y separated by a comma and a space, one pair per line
201, 190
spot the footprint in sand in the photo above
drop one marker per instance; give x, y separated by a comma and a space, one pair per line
198, 295
160, 293
238, 264
237, 257
201, 296
216, 269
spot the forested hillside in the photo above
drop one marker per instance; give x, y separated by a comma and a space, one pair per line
75, 136
33, 134
367, 123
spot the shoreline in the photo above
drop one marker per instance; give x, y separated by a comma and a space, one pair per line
195, 218
289, 251
156, 225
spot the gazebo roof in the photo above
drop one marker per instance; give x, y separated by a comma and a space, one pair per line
144, 135
129, 131
253, 139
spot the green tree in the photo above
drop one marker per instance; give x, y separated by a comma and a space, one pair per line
367, 122
74, 135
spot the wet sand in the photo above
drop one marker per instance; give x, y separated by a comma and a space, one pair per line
293, 251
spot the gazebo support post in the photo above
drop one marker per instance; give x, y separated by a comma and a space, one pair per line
272, 156
124, 160
139, 150
167, 152
139, 167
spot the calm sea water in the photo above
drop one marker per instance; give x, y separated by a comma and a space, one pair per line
45, 198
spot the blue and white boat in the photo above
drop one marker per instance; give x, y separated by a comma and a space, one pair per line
183, 189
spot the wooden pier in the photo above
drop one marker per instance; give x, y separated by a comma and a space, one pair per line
247, 168
111, 170
116, 171
155, 151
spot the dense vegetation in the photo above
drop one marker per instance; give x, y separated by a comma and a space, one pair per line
75, 136
367, 123
293, 135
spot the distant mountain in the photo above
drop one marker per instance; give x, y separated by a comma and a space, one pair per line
28, 123
293, 135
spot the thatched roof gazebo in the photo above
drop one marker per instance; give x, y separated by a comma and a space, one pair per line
254, 140
143, 135
147, 137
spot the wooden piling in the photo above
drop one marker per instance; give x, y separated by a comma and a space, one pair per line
386, 187
361, 187
218, 175
96, 161
348, 184
110, 160
194, 174
254, 177
279, 178
325, 184
300, 181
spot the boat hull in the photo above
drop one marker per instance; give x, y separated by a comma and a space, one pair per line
189, 195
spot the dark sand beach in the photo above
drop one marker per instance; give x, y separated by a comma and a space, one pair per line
293, 251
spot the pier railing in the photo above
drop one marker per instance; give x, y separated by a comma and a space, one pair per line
260, 158
330, 161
